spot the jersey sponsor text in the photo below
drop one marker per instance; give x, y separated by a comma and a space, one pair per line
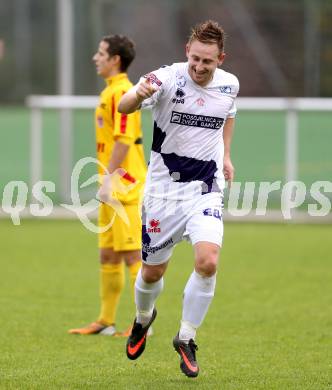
207, 122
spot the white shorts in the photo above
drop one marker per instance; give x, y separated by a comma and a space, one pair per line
165, 223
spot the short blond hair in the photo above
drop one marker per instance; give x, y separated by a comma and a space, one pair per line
208, 32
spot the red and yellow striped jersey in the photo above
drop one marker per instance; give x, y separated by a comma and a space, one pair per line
111, 126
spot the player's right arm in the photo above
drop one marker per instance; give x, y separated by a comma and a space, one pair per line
133, 99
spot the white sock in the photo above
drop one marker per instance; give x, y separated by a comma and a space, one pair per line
198, 295
145, 297
187, 331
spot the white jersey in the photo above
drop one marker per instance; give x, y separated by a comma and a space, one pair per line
187, 149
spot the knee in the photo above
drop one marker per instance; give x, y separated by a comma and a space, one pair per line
104, 258
132, 257
206, 263
152, 274
108, 256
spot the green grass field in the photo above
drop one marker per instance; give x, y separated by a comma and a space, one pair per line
269, 326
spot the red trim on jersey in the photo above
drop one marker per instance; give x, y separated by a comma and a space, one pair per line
123, 123
129, 177
113, 108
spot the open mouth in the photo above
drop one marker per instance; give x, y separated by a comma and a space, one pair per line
200, 74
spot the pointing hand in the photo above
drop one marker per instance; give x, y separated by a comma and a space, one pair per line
145, 89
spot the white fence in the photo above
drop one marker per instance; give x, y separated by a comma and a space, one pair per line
291, 107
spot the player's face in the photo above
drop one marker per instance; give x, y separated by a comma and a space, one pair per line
104, 63
203, 60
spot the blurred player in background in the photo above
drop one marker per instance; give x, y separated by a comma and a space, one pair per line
193, 110
119, 145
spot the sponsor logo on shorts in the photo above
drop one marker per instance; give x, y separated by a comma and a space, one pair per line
154, 226
207, 122
216, 213
153, 249
153, 79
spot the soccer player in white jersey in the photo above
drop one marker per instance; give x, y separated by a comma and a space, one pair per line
193, 111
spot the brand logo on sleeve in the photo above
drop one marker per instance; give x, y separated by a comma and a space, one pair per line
227, 89
153, 79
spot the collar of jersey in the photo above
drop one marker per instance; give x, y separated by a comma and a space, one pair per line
116, 78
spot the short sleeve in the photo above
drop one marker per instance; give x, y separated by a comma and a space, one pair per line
234, 91
233, 110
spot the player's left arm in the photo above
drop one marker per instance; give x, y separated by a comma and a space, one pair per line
119, 153
227, 136
123, 135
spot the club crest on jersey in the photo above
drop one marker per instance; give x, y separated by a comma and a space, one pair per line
200, 102
179, 96
180, 81
154, 226
100, 121
226, 89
